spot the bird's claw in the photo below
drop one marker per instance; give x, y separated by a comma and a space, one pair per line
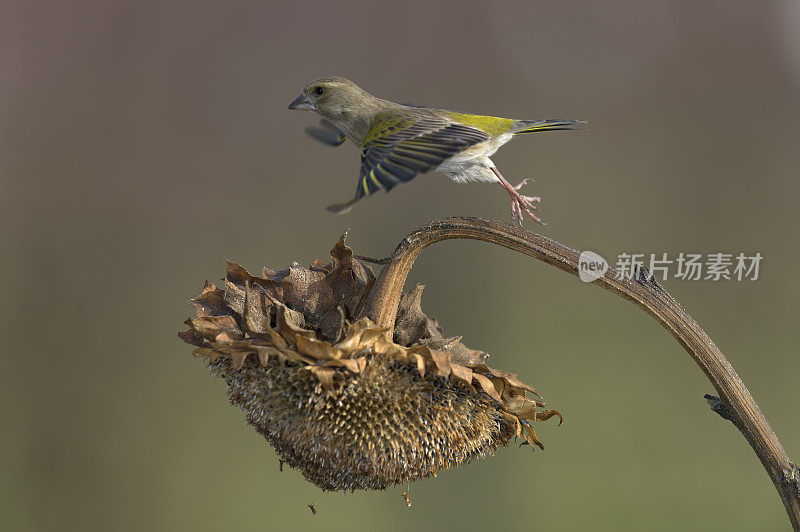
520, 204
522, 183
523, 204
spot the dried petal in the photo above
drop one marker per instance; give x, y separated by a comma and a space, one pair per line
325, 376
264, 352
361, 335
521, 407
352, 364
511, 378
442, 361
228, 337
487, 386
211, 326
530, 437
547, 414
238, 358
317, 349
277, 339
420, 364
461, 372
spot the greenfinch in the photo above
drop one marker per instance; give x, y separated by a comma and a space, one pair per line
399, 142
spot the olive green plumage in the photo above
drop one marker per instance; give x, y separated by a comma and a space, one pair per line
399, 142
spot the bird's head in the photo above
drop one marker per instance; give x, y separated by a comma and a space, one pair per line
332, 98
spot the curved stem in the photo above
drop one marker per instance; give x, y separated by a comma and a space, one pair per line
737, 403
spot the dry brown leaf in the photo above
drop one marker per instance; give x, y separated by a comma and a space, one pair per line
236, 275
434, 331
291, 323
304, 292
411, 324
255, 315
464, 355
320, 266
331, 325
211, 302
191, 338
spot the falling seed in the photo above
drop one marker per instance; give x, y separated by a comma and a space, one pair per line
313, 510
407, 498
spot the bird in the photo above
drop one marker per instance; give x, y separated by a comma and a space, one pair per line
399, 141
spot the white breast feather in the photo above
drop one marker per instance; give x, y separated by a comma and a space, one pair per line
473, 164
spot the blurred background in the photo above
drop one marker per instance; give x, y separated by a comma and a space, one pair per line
143, 143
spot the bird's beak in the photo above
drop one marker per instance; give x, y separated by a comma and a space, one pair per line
302, 103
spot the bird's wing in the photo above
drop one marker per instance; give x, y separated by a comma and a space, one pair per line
327, 133
397, 149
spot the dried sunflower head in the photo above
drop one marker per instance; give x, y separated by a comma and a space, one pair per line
350, 404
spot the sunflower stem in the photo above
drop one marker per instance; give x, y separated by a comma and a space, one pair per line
734, 398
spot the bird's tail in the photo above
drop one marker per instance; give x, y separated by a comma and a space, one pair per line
534, 126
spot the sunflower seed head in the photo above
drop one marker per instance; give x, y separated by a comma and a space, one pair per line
349, 404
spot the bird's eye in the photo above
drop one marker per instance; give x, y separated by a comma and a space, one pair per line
319, 90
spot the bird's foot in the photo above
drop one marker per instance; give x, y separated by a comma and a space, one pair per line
523, 204
520, 205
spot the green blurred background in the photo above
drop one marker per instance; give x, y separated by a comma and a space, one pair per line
143, 143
